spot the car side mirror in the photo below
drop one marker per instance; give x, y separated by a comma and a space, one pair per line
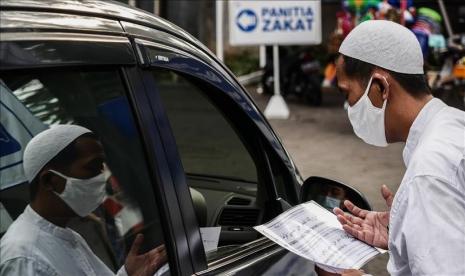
330, 193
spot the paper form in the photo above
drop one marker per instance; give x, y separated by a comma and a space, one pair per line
210, 237
314, 233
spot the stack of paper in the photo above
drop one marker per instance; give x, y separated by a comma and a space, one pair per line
314, 233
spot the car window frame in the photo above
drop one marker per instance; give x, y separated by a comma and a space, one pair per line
174, 237
192, 229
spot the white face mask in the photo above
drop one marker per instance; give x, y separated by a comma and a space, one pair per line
84, 195
368, 120
329, 202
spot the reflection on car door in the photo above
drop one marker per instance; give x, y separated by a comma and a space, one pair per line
68, 90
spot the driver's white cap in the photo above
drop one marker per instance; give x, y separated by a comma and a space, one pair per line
385, 44
46, 145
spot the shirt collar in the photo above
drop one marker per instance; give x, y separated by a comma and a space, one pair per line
423, 118
62, 233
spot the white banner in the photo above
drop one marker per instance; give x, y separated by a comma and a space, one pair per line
17, 127
274, 22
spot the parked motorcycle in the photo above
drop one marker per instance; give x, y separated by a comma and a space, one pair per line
449, 84
300, 75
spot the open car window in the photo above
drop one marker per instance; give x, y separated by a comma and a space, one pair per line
208, 145
220, 164
34, 100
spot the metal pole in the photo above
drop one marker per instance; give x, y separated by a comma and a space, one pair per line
157, 7
261, 65
262, 56
219, 29
276, 77
446, 18
277, 107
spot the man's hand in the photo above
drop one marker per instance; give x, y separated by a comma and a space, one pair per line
367, 226
321, 272
144, 264
353, 272
346, 272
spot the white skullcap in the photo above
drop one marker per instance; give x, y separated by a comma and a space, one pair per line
46, 145
385, 44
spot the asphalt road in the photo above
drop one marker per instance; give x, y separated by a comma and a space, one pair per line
322, 143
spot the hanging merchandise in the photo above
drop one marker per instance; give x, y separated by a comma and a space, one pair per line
437, 41
428, 23
344, 23
398, 3
459, 69
430, 13
425, 23
362, 5
363, 9
384, 7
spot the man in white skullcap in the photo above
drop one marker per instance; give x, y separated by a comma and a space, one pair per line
380, 70
67, 174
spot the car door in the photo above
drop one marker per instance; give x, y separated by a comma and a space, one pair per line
222, 151
60, 74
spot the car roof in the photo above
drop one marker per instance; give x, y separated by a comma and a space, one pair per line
103, 9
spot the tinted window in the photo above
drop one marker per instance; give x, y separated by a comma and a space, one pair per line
96, 100
220, 164
207, 143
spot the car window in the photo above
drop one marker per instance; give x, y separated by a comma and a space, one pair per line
206, 141
221, 171
34, 100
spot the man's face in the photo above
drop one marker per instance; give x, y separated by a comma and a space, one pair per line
90, 159
379, 91
88, 163
336, 192
353, 88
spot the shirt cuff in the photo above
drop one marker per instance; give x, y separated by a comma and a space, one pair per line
122, 272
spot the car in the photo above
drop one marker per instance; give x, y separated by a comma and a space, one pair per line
189, 150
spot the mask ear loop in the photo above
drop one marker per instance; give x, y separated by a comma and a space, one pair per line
367, 90
62, 176
365, 94
388, 87
106, 172
59, 174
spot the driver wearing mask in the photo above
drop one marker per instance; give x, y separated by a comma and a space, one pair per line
67, 174
380, 70
331, 197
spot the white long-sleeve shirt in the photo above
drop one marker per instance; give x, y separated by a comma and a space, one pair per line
427, 220
34, 246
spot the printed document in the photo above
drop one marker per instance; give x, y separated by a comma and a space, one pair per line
210, 237
314, 233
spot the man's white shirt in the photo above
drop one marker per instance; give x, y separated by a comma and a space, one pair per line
427, 220
34, 246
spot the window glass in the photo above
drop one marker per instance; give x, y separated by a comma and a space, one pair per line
96, 100
207, 143
220, 164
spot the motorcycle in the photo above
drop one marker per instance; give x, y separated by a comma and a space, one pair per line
299, 75
449, 84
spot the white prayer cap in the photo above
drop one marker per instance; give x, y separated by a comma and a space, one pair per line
385, 44
46, 145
